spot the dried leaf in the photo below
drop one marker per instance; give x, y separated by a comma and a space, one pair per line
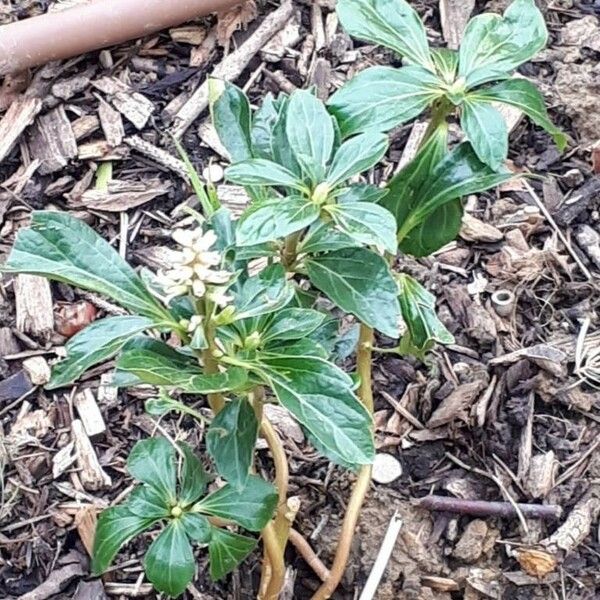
230, 21
536, 563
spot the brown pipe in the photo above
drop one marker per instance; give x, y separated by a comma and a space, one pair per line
91, 26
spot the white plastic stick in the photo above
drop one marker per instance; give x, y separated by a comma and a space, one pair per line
383, 557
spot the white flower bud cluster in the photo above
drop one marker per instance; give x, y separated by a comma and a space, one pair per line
195, 269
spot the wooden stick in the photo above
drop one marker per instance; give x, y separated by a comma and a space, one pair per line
232, 66
482, 508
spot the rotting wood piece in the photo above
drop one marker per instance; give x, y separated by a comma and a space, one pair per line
92, 475
20, 114
33, 301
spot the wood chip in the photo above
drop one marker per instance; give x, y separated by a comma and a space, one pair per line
233, 197
8, 342
19, 115
112, 124
189, 34
475, 230
276, 48
52, 141
84, 126
123, 195
542, 471
38, 369
101, 150
33, 302
161, 156
56, 581
456, 404
89, 412
545, 356
85, 521
92, 475
454, 16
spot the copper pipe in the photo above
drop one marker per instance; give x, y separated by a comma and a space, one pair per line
91, 26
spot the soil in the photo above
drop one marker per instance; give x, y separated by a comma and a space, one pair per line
503, 414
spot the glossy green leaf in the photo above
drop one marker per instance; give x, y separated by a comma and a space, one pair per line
231, 116
63, 248
263, 293
226, 551
230, 440
292, 324
116, 526
324, 237
310, 134
391, 23
438, 229
98, 342
356, 155
367, 223
493, 45
169, 562
486, 129
145, 360
252, 507
319, 395
152, 461
261, 134
380, 98
526, 97
275, 219
262, 172
361, 192
197, 527
145, 501
283, 153
193, 478
360, 282
418, 312
446, 64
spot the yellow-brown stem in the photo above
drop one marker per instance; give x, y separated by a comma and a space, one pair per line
308, 554
363, 367
289, 252
271, 585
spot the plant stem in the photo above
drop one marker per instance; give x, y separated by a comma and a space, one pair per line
274, 574
289, 252
365, 393
211, 366
440, 112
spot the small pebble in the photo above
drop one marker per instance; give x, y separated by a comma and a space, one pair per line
213, 173
386, 468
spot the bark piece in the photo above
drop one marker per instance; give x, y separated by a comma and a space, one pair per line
89, 413
454, 16
33, 301
233, 197
86, 520
232, 66
90, 590
547, 357
38, 370
92, 476
123, 195
158, 154
8, 342
475, 230
55, 582
471, 544
52, 141
19, 115
540, 478
15, 386
101, 150
112, 124
456, 404
275, 49
84, 126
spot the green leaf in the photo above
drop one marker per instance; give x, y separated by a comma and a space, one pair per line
310, 133
391, 23
418, 312
275, 219
147, 502
145, 360
446, 64
193, 477
231, 116
493, 46
262, 172
292, 324
356, 155
152, 461
360, 282
486, 129
261, 134
197, 527
230, 441
252, 507
324, 237
525, 96
63, 248
380, 98
438, 229
169, 562
263, 293
283, 153
115, 527
226, 551
96, 343
319, 395
361, 192
368, 223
